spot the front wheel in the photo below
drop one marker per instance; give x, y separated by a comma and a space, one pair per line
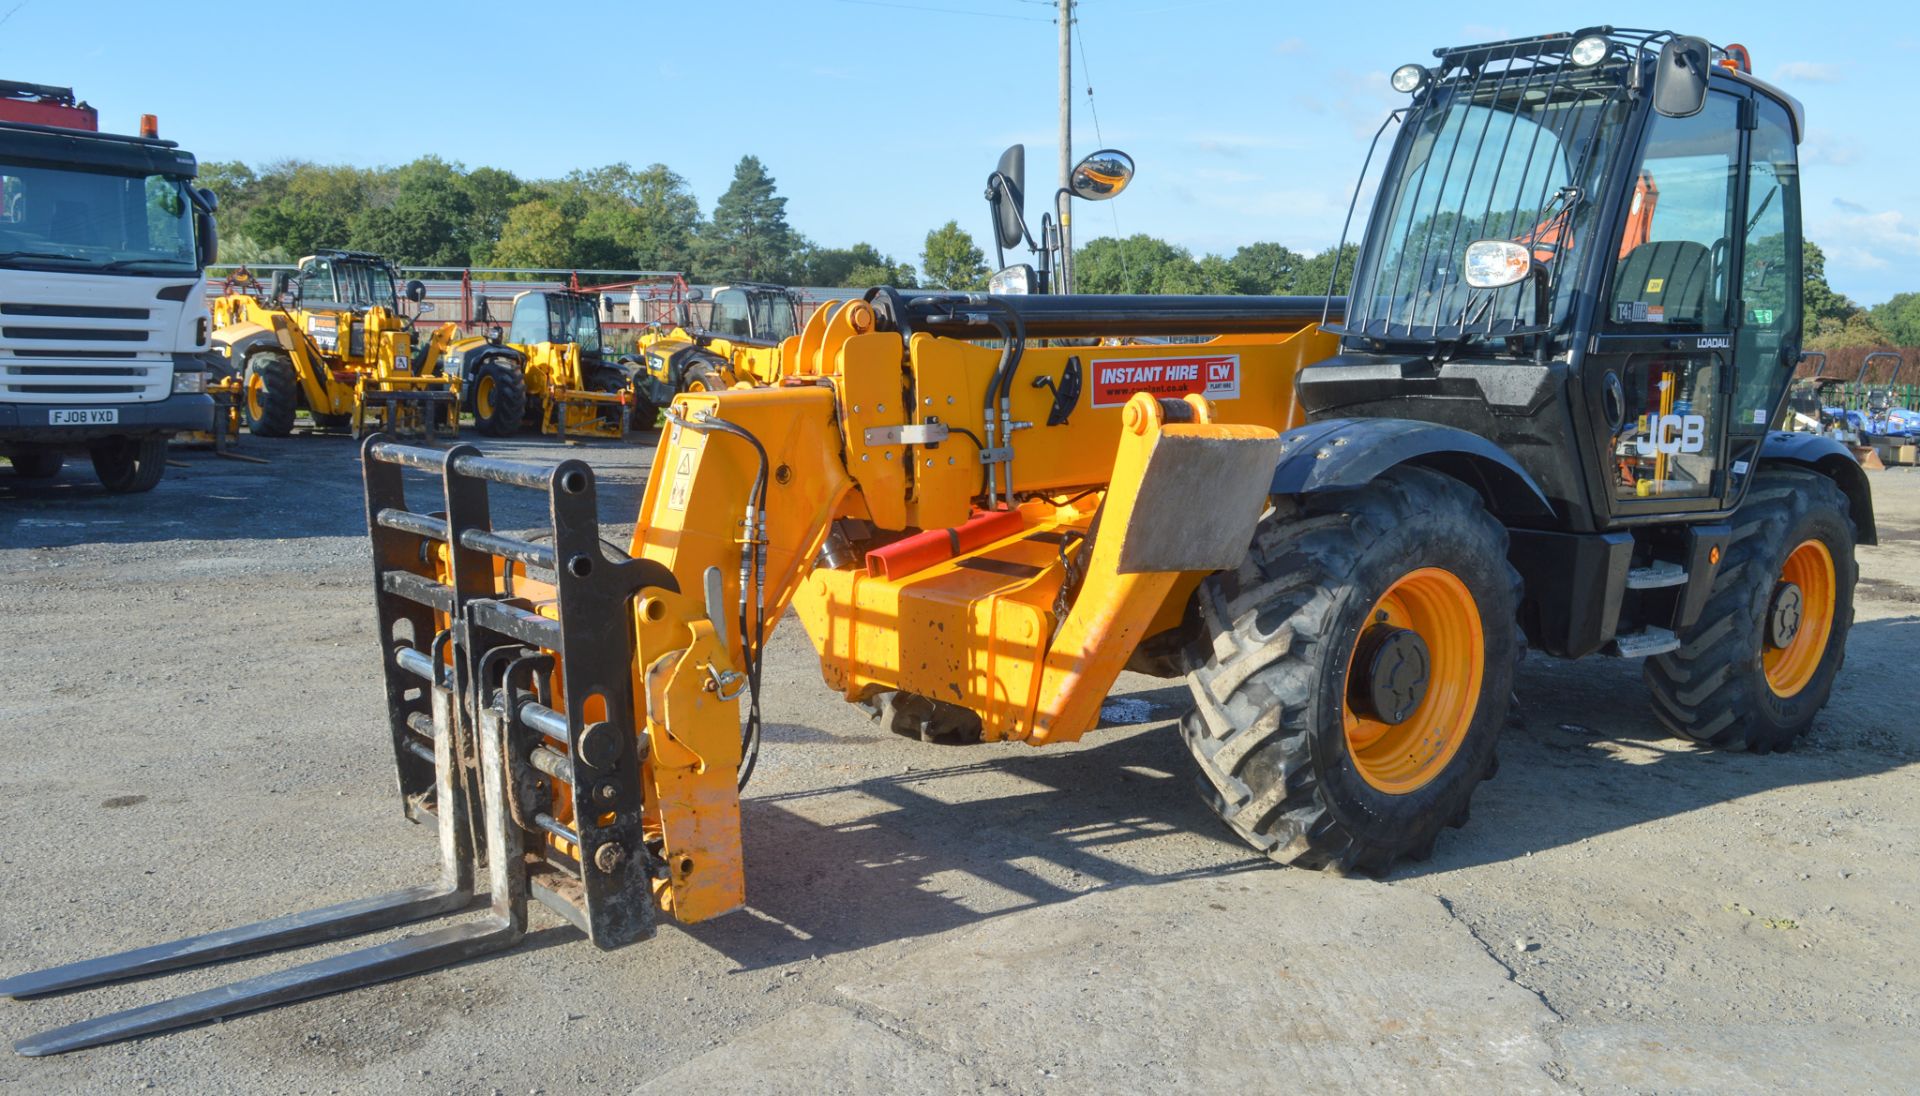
499, 398
1357, 673
271, 395
1759, 664
130, 465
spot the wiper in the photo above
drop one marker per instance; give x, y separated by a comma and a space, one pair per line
40, 255
128, 264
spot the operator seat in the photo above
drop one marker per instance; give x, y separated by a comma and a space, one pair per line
1672, 278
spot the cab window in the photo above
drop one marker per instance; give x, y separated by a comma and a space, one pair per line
1769, 271
730, 316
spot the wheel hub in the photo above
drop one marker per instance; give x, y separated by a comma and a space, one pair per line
1395, 669
1783, 615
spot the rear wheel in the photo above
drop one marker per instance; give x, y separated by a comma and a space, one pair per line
1760, 663
271, 394
499, 398
129, 465
1359, 672
39, 465
704, 377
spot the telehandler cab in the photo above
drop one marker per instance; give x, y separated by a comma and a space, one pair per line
1336, 517
333, 339
550, 365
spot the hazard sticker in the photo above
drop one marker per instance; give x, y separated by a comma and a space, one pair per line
1655, 285
682, 480
1215, 376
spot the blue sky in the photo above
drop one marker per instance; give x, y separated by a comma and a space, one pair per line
880, 119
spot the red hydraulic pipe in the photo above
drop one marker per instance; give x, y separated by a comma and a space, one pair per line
922, 550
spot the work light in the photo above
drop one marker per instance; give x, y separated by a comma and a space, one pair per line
1590, 51
1409, 78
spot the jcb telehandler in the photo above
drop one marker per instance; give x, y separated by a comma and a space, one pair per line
749, 323
1337, 518
333, 339
550, 366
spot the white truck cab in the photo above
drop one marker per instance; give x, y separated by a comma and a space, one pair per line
104, 242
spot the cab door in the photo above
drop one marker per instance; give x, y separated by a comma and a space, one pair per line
1661, 364
1767, 340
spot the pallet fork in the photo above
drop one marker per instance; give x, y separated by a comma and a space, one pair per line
470, 669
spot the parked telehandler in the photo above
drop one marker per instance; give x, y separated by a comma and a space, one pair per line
332, 339
741, 343
1336, 517
550, 367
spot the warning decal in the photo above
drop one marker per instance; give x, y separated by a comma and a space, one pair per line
682, 480
1216, 377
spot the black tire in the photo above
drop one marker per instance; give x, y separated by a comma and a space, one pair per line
128, 466
1269, 723
271, 395
499, 398
38, 465
1715, 690
702, 376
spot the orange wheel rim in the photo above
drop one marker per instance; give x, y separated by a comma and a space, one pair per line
1809, 572
1402, 757
255, 387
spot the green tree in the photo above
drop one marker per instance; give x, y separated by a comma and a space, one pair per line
748, 238
305, 207
1265, 268
536, 234
1310, 280
1137, 264
231, 182
1899, 317
861, 265
952, 260
492, 193
425, 221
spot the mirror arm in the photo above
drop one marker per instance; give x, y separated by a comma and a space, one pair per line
997, 181
1541, 275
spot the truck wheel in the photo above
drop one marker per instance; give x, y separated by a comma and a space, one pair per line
271, 393
39, 465
128, 466
704, 377
499, 398
1360, 669
1759, 664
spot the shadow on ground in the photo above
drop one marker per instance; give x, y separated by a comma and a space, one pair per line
906, 861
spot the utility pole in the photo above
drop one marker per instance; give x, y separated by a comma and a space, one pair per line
1064, 213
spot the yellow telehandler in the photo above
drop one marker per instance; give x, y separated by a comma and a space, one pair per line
550, 367
333, 339
748, 326
1336, 517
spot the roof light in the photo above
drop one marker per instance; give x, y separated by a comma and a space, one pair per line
1738, 58
1590, 51
1408, 79
149, 125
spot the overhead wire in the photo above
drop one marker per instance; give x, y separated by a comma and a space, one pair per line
1093, 109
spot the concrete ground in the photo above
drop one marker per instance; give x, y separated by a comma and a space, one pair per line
194, 732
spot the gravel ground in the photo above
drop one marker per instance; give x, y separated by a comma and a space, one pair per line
195, 737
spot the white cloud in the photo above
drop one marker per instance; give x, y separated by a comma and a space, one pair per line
1866, 240
1288, 46
1812, 72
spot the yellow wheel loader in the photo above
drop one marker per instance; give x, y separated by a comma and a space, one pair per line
748, 326
333, 340
1336, 517
550, 367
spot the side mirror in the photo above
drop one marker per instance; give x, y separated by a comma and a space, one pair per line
1007, 194
206, 199
207, 237
1016, 280
695, 295
1101, 175
606, 305
416, 291
1680, 77
281, 285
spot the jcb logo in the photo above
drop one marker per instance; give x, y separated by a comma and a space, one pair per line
1671, 434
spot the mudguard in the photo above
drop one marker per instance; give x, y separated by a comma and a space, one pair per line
1833, 460
239, 340
1334, 453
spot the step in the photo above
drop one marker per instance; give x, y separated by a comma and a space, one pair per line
1647, 641
1655, 575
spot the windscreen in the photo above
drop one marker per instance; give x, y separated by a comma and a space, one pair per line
1514, 148
363, 285
573, 320
772, 316
54, 218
